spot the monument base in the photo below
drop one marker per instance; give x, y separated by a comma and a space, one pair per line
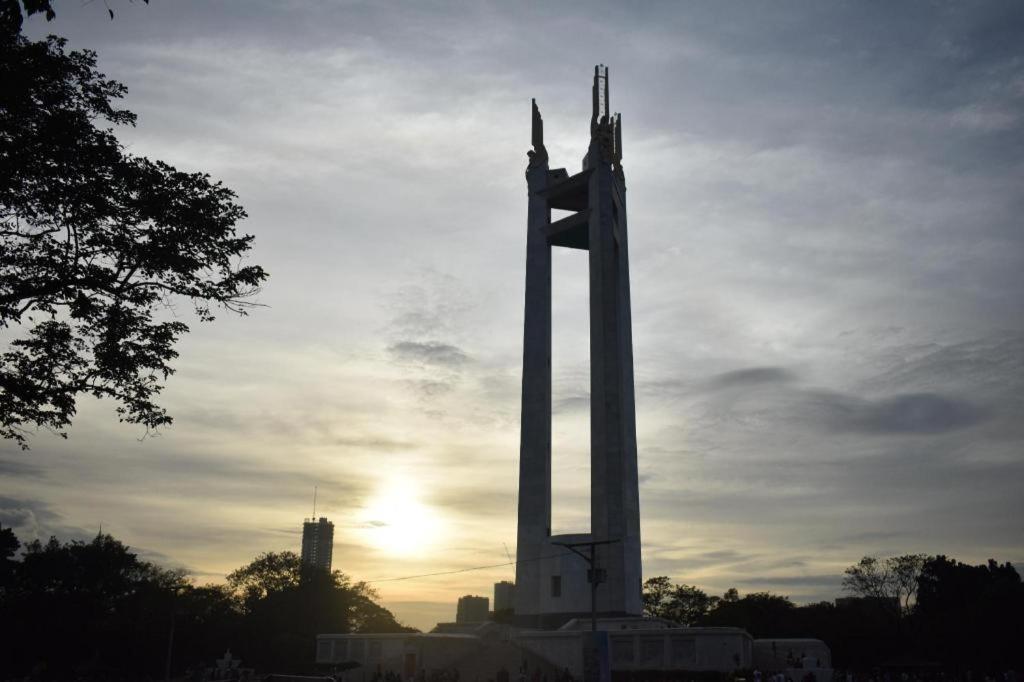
560, 621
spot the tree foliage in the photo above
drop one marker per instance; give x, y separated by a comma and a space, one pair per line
11, 13
9, 545
111, 612
278, 580
11, 18
683, 604
89, 597
268, 573
655, 595
762, 614
971, 613
955, 615
891, 581
97, 247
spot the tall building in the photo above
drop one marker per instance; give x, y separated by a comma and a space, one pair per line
317, 543
554, 582
472, 609
504, 596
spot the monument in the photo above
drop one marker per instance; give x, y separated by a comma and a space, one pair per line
564, 582
560, 577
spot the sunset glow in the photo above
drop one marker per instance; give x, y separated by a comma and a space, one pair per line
397, 523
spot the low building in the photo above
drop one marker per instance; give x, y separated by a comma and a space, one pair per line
653, 644
478, 652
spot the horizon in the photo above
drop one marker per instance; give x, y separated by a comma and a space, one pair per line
825, 256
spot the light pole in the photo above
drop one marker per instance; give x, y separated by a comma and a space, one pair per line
595, 575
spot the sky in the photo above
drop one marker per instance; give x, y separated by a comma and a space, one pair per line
826, 253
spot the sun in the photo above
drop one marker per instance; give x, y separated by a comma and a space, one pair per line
398, 523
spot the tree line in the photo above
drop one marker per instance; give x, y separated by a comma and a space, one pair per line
95, 610
910, 611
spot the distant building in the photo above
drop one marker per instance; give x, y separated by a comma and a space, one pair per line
472, 609
317, 543
504, 596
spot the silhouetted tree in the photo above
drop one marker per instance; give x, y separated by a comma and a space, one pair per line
687, 604
94, 610
965, 617
11, 17
683, 604
970, 616
9, 545
92, 598
209, 620
761, 613
286, 605
11, 12
892, 581
95, 243
655, 594
268, 573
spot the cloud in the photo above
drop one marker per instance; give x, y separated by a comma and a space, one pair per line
15, 468
375, 443
825, 580
571, 403
34, 519
479, 501
752, 376
922, 413
429, 353
875, 189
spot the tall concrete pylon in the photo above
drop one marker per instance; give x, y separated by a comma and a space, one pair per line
552, 583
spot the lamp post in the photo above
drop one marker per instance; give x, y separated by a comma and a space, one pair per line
595, 575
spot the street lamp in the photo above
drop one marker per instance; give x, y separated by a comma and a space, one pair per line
595, 575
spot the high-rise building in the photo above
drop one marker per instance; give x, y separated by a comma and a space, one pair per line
472, 609
504, 596
317, 543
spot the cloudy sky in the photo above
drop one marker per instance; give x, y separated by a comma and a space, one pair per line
828, 301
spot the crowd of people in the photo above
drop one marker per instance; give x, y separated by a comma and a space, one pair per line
926, 675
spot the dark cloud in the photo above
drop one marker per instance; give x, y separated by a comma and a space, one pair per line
870, 536
432, 388
825, 580
720, 555
429, 353
752, 376
991, 367
34, 519
572, 403
15, 510
921, 413
684, 559
15, 468
158, 558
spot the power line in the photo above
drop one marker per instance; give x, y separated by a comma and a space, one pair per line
467, 570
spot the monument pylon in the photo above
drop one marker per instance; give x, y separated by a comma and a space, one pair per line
552, 583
